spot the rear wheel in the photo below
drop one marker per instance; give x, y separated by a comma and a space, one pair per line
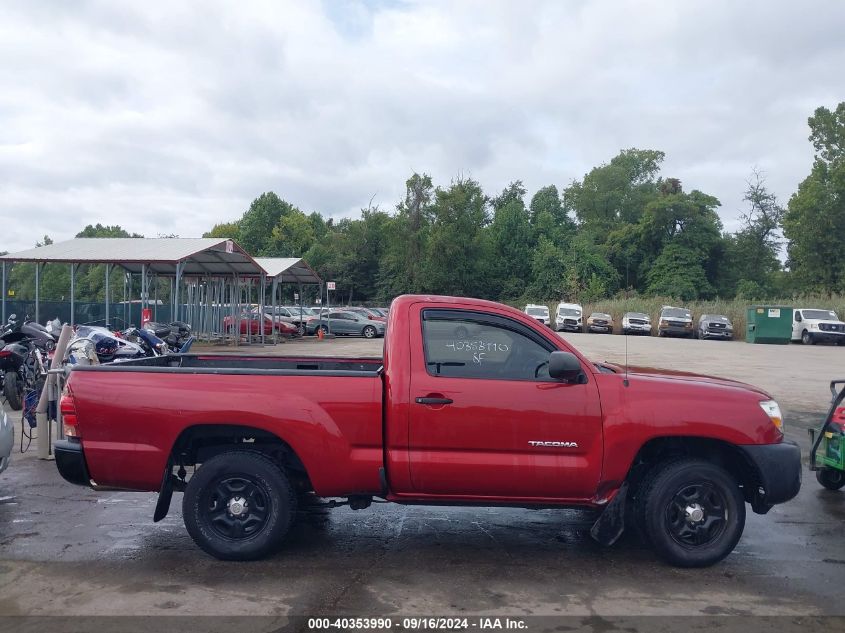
806, 338
13, 390
238, 506
369, 332
831, 478
691, 511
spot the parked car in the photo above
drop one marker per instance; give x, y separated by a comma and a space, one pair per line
600, 323
636, 323
514, 415
675, 322
568, 317
346, 323
367, 313
811, 325
294, 315
715, 326
249, 322
539, 312
7, 440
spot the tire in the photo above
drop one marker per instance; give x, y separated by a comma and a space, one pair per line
369, 332
13, 390
324, 328
661, 334
704, 488
806, 338
831, 478
255, 528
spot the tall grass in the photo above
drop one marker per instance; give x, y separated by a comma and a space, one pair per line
734, 309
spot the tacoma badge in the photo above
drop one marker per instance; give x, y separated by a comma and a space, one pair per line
536, 443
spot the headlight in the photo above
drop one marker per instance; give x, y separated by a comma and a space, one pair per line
771, 409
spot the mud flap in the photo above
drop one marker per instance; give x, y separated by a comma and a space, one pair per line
165, 494
609, 526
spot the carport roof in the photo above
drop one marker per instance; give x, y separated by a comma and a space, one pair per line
199, 256
288, 270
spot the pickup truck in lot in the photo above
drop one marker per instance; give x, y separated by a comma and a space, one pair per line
473, 403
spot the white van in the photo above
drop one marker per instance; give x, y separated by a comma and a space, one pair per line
568, 317
810, 325
539, 312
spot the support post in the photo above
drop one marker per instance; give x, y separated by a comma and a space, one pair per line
3, 289
261, 298
37, 292
73, 293
177, 282
108, 282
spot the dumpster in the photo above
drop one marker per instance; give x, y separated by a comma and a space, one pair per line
769, 324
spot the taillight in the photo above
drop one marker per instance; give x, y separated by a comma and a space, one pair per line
68, 409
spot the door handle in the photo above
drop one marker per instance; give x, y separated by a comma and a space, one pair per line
433, 400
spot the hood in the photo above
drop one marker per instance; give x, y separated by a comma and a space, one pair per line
670, 374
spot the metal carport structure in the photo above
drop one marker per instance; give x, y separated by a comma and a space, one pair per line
288, 270
220, 263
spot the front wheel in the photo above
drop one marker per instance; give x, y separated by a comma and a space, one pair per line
692, 512
830, 478
13, 390
806, 338
238, 506
369, 332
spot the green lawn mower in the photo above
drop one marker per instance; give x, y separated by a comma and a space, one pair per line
827, 457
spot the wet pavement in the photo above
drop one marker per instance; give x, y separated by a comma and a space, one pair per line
68, 550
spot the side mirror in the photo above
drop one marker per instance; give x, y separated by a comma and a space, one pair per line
564, 365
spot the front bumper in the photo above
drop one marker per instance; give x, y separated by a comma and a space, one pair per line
7, 440
673, 330
569, 327
778, 467
637, 329
598, 328
718, 334
70, 460
821, 335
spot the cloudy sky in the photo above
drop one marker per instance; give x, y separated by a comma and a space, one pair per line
166, 117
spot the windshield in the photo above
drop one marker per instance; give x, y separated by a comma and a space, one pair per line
569, 312
715, 317
828, 315
538, 311
679, 313
637, 315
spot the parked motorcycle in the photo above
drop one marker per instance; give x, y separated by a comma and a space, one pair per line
177, 335
107, 345
23, 358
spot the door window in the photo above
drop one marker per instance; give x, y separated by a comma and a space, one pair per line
483, 346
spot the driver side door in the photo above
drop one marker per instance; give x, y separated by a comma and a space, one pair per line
486, 419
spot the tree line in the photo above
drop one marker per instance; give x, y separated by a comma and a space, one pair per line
624, 227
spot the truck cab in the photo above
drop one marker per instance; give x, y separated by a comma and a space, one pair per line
814, 325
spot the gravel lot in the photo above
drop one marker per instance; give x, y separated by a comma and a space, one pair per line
68, 550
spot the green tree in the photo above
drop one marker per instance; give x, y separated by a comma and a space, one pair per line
227, 230
511, 240
257, 224
815, 217
402, 264
616, 192
678, 272
292, 236
458, 253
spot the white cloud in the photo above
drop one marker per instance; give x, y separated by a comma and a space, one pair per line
167, 118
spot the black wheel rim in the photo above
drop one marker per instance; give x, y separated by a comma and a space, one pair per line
697, 515
237, 507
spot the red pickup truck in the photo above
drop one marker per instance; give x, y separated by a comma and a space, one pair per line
473, 403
